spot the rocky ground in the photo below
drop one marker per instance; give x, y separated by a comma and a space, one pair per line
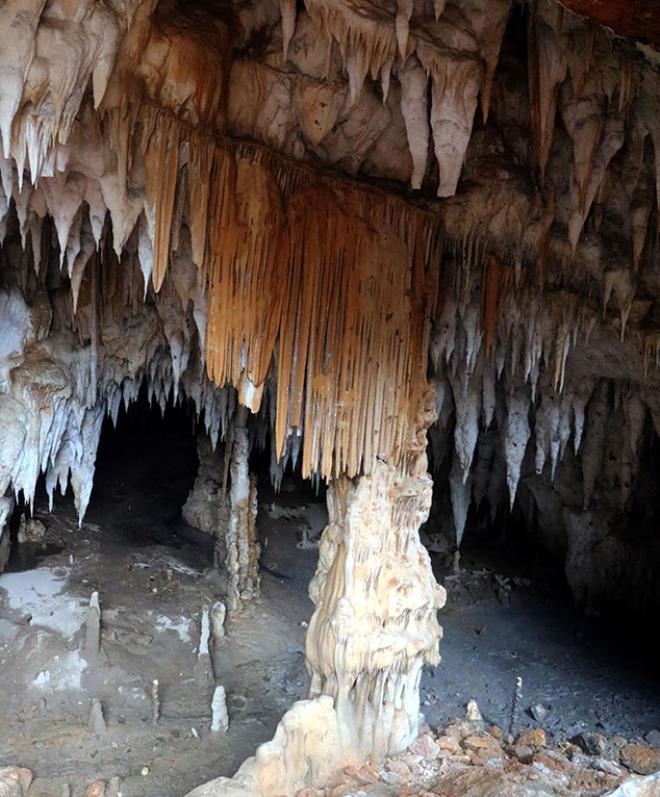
469, 759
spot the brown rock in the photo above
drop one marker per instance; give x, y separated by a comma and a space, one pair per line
367, 773
523, 753
553, 762
425, 746
496, 732
589, 781
400, 769
640, 758
591, 743
487, 758
533, 738
449, 744
475, 742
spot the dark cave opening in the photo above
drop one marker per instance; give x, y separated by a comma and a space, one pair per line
145, 468
548, 590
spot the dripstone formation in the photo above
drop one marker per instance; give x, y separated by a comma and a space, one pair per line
333, 228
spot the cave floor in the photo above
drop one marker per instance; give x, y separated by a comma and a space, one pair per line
496, 628
151, 597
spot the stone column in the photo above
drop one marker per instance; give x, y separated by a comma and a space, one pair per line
242, 546
376, 600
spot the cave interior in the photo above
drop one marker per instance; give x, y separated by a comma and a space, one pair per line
329, 398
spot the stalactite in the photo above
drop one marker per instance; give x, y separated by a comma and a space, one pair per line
460, 490
161, 145
288, 12
414, 83
546, 70
454, 90
516, 435
468, 408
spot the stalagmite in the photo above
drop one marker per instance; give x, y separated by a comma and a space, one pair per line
114, 787
93, 627
220, 719
242, 545
203, 667
96, 719
6, 508
375, 619
218, 614
155, 702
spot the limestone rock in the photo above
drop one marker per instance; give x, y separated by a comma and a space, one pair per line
638, 787
591, 743
534, 738
640, 758
14, 781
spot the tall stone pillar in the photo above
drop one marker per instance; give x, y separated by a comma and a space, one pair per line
376, 599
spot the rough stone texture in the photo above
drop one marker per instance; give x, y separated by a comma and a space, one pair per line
376, 601
6, 507
641, 758
14, 781
272, 207
431, 767
206, 506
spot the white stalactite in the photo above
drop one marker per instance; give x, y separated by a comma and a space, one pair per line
414, 86
516, 435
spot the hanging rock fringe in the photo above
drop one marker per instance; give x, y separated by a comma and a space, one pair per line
333, 283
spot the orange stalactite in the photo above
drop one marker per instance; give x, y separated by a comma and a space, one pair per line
332, 283
162, 162
496, 281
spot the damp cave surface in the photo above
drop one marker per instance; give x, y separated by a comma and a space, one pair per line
507, 616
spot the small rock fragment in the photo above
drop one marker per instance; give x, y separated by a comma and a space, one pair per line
535, 738
523, 753
425, 746
539, 712
472, 713
591, 743
15, 781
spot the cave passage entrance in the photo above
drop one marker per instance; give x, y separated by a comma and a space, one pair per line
513, 610
155, 577
145, 469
